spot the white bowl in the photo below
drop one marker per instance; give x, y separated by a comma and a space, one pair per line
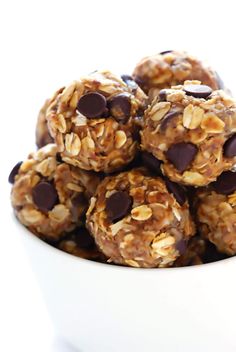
105, 308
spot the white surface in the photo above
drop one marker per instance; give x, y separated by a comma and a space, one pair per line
45, 44
99, 307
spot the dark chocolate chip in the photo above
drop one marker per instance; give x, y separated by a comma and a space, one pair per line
118, 205
181, 155
151, 162
44, 196
130, 82
168, 117
177, 191
162, 95
225, 183
230, 147
14, 172
92, 105
181, 246
120, 107
165, 52
197, 90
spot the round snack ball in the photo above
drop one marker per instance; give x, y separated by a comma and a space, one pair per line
42, 134
81, 244
93, 121
193, 132
50, 197
135, 221
216, 213
170, 68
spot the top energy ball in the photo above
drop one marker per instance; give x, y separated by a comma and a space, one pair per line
93, 121
170, 68
192, 130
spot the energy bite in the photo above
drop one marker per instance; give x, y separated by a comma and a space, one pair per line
93, 121
42, 134
170, 68
137, 222
81, 244
48, 196
192, 130
216, 213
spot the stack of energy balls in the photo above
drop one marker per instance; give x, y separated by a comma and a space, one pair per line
135, 170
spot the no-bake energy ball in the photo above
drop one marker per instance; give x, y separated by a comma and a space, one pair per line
216, 213
93, 121
192, 130
42, 134
170, 68
48, 196
138, 220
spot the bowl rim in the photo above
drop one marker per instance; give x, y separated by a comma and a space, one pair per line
67, 256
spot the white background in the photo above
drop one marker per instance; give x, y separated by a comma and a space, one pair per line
46, 44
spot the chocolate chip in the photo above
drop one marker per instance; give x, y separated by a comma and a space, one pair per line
92, 105
230, 147
14, 172
168, 117
225, 183
181, 246
162, 95
120, 107
118, 205
151, 162
130, 82
165, 52
44, 196
197, 90
177, 191
181, 155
